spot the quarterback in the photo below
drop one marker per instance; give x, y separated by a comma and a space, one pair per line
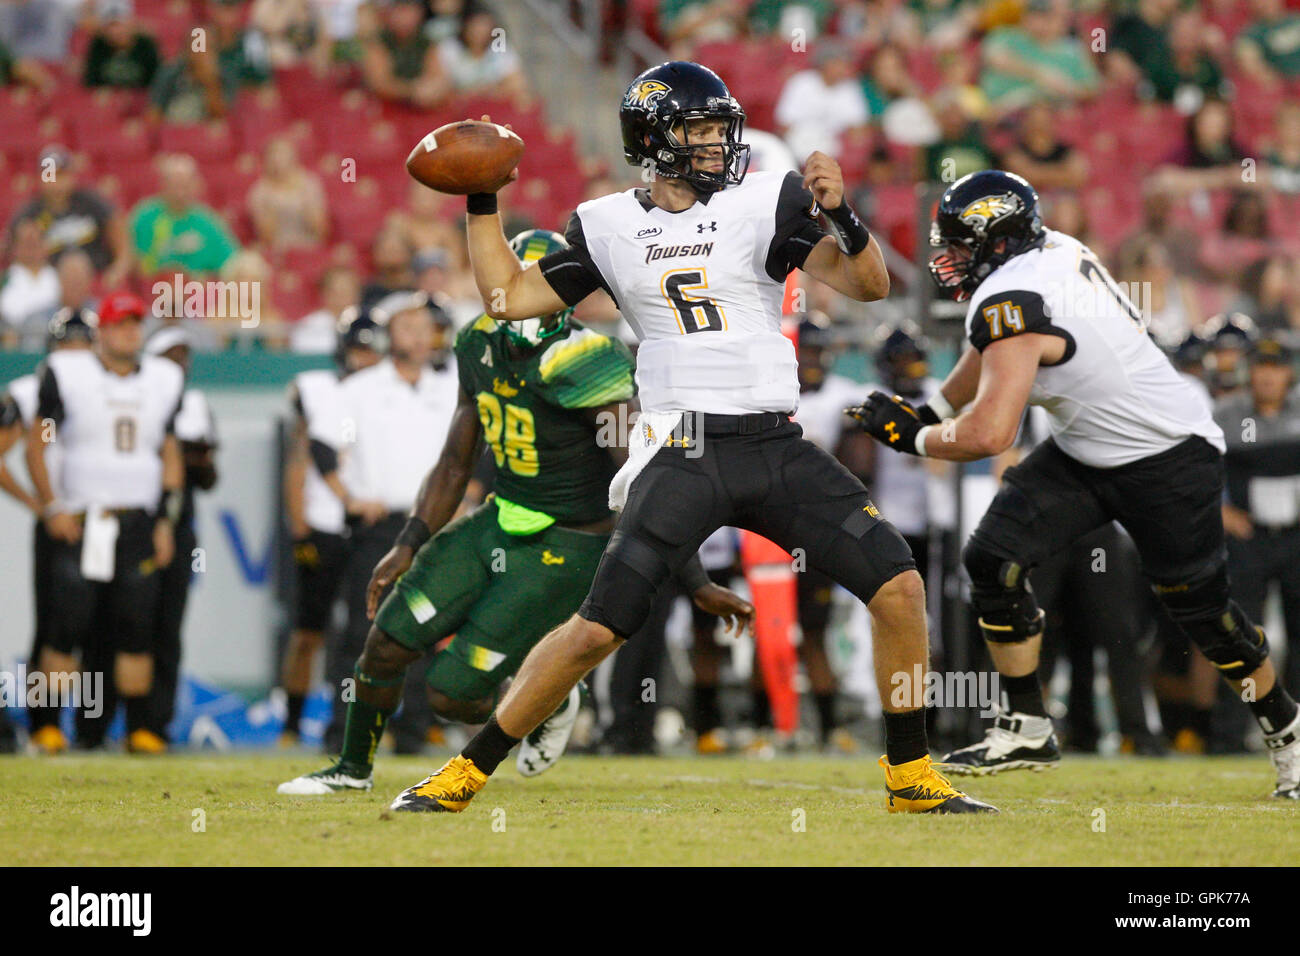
697, 264
1131, 442
503, 575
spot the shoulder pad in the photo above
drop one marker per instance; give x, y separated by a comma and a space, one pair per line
1001, 315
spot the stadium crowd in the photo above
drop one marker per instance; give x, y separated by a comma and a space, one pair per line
262, 142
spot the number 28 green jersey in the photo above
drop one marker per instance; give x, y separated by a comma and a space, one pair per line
548, 464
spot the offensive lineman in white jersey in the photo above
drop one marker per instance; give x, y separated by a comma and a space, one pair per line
1131, 442
697, 265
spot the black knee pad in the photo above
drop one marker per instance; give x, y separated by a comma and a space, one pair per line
1215, 623
627, 582
1003, 599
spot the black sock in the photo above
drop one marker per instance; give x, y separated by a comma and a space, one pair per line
295, 702
1025, 694
1274, 711
826, 713
1175, 715
905, 736
762, 716
708, 716
38, 717
490, 746
138, 712
1200, 720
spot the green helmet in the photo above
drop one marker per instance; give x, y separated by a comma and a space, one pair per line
529, 247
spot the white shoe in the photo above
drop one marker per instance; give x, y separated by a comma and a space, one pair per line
329, 780
1014, 742
1284, 751
539, 751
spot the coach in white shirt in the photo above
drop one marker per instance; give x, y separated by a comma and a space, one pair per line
387, 429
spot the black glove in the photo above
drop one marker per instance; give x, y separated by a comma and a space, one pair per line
891, 419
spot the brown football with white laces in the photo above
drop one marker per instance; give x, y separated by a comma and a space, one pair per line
469, 156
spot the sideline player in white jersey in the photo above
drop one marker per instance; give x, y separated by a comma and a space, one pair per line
1131, 442
111, 413
69, 329
697, 265
317, 521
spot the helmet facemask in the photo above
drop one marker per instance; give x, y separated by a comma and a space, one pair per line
957, 269
674, 156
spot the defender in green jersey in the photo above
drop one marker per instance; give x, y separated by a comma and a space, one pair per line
503, 575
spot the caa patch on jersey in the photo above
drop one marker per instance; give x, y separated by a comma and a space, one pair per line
1006, 314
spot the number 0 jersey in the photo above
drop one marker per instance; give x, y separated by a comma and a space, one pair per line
701, 288
1114, 397
546, 452
110, 427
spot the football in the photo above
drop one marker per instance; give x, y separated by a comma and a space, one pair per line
465, 157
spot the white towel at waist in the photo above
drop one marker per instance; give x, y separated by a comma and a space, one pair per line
651, 431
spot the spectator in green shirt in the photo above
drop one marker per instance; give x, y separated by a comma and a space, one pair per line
960, 148
23, 71
1269, 50
120, 55
1165, 53
244, 55
782, 16
399, 62
1036, 60
173, 231
687, 22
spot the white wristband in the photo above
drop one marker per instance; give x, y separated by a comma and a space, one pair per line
941, 406
920, 440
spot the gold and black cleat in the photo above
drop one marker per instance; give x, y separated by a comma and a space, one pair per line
916, 787
449, 790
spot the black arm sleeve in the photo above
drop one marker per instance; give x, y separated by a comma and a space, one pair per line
325, 458
797, 230
1006, 314
571, 272
49, 403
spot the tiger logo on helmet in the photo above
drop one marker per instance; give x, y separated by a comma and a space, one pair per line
646, 93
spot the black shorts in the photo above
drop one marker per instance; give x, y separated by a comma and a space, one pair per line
320, 560
43, 597
123, 610
1168, 503
755, 472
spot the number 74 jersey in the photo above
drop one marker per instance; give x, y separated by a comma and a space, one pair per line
1113, 397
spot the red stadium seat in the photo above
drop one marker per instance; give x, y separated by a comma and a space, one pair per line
114, 145
357, 211
206, 142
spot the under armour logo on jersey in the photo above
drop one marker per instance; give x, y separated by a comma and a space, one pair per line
487, 356
711, 226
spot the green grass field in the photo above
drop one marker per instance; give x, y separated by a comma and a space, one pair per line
114, 810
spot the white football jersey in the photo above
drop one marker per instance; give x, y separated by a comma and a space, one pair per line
702, 289
821, 411
110, 427
24, 391
194, 422
316, 393
1114, 398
